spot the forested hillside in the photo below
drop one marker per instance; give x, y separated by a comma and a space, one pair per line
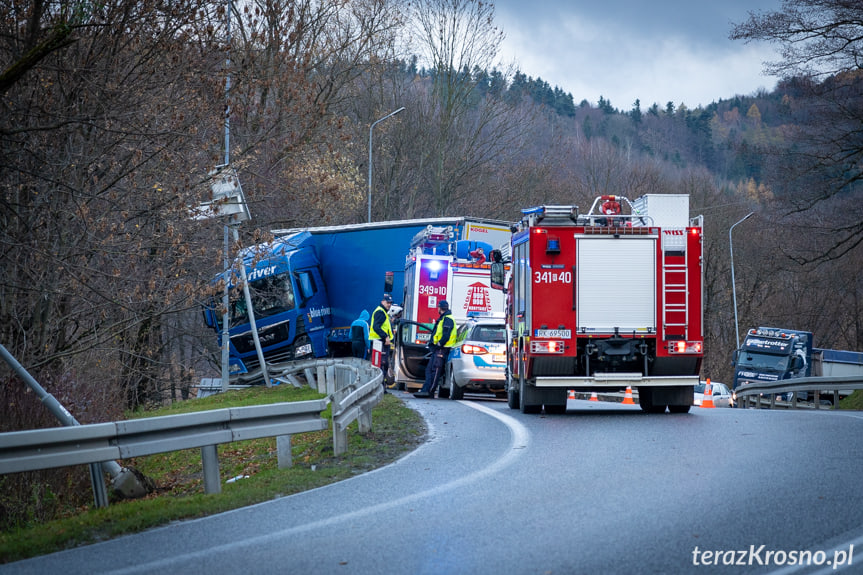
115, 113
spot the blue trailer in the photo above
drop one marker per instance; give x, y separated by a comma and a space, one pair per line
311, 283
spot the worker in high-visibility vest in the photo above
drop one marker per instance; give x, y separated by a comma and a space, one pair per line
442, 340
381, 329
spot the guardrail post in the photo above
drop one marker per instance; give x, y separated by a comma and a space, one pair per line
340, 439
294, 381
322, 379
835, 399
310, 377
210, 459
817, 399
364, 420
331, 380
772, 401
283, 450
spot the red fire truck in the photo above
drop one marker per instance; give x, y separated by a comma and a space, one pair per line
604, 301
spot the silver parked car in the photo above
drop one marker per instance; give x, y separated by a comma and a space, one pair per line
478, 361
721, 394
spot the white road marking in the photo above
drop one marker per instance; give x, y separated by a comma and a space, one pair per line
520, 439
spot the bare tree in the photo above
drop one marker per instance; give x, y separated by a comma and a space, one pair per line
818, 38
821, 45
297, 68
466, 132
95, 241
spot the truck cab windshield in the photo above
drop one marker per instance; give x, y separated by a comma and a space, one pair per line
270, 295
763, 361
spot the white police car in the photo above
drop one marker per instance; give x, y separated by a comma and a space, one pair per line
478, 360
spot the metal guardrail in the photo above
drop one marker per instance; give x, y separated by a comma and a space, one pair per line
353, 387
814, 384
95, 443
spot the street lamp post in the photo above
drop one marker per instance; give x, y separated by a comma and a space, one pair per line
372, 127
733, 288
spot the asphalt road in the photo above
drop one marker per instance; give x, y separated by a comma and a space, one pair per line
604, 488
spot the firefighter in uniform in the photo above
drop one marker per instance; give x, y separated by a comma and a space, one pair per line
381, 329
442, 340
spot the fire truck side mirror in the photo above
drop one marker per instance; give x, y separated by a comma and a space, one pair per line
498, 276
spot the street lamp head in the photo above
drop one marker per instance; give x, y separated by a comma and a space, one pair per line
733, 286
371, 128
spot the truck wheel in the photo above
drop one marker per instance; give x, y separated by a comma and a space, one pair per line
523, 395
512, 399
645, 401
679, 408
555, 409
455, 392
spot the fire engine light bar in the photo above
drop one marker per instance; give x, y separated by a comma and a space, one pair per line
553, 346
686, 347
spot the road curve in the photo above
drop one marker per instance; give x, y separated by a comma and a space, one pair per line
604, 488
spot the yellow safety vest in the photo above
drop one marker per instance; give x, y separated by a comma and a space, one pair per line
386, 327
439, 332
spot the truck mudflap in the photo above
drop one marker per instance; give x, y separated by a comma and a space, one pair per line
617, 380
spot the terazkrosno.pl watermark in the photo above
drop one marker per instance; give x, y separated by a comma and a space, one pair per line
760, 555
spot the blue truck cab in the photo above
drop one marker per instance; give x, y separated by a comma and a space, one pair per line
772, 354
292, 311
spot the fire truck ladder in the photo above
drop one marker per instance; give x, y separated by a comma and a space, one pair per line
672, 285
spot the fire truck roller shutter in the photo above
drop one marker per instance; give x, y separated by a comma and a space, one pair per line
617, 284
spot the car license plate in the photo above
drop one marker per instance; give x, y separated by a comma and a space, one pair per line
555, 333
498, 358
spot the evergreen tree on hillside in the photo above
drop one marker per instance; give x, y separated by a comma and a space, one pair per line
635, 114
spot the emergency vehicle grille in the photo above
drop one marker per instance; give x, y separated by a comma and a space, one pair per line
619, 231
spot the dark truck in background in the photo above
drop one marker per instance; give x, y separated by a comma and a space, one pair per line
770, 354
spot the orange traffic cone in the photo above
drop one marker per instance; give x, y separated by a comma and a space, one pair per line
571, 394
707, 401
627, 397
593, 397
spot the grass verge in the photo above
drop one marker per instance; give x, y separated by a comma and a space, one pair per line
178, 476
853, 401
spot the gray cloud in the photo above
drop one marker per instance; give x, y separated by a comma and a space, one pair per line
675, 50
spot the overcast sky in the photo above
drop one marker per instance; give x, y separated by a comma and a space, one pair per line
669, 50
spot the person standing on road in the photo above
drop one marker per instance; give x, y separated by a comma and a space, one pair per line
443, 338
381, 329
360, 336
